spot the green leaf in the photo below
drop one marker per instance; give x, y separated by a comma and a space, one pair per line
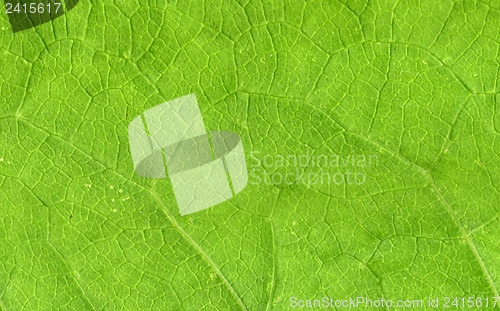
411, 86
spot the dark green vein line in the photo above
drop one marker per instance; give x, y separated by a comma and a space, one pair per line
466, 236
441, 198
450, 211
452, 214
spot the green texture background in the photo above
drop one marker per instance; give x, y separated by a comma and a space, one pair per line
414, 82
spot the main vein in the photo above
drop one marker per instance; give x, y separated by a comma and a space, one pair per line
466, 236
448, 208
183, 233
201, 251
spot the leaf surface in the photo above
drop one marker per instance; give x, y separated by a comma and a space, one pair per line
413, 84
